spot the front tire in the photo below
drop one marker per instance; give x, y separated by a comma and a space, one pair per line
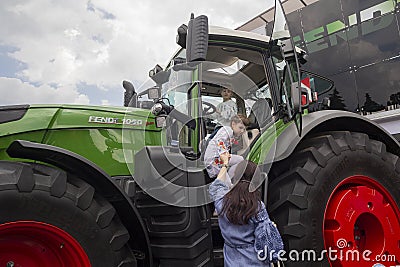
49, 218
340, 192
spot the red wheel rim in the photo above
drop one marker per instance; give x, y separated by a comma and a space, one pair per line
361, 217
36, 244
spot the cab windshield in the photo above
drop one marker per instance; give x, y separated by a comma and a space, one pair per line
232, 81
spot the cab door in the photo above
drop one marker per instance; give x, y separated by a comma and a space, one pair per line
170, 193
286, 66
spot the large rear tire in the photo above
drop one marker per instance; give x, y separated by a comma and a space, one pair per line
338, 192
49, 218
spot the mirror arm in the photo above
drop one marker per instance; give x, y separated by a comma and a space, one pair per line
174, 113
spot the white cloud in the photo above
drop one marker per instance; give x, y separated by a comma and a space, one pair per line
105, 102
18, 92
102, 42
72, 33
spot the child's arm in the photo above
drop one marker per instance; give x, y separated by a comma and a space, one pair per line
220, 187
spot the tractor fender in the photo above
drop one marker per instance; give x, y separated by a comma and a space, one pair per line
330, 120
96, 177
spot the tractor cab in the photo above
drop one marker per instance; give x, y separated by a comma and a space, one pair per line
261, 73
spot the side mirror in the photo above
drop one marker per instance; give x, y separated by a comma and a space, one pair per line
318, 84
129, 95
197, 39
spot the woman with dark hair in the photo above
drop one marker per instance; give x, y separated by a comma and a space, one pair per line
251, 238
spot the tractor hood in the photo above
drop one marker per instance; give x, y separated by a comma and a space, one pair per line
17, 119
102, 117
107, 136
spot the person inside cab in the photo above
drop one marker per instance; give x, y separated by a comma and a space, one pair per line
227, 109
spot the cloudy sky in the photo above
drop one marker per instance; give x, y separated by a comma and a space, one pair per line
79, 51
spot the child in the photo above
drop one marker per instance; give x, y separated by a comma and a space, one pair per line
227, 109
249, 234
221, 143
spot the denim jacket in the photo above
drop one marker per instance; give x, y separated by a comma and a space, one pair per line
242, 242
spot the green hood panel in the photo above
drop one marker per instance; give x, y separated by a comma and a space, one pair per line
106, 136
33, 120
110, 149
69, 116
41, 117
32, 127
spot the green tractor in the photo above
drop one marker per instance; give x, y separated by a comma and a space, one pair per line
126, 186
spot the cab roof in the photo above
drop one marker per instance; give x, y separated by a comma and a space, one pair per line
220, 31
